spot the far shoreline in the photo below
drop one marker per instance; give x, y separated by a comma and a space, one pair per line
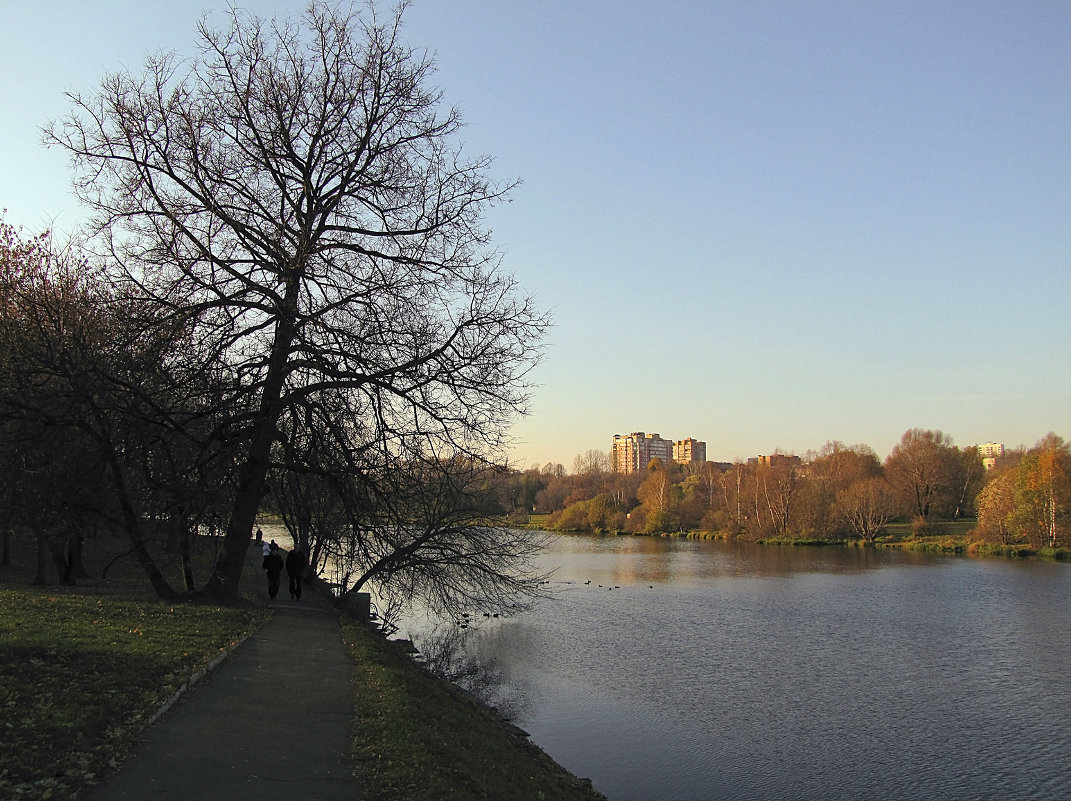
951, 538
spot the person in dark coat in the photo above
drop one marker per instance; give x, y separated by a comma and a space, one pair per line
273, 566
296, 562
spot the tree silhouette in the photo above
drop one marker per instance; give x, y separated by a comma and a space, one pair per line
296, 200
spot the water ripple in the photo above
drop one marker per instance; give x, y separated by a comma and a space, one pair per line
700, 672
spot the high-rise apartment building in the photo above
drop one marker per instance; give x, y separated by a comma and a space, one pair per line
689, 450
632, 452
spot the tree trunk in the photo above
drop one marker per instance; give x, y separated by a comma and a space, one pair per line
60, 551
132, 525
77, 552
41, 577
1052, 516
184, 557
223, 584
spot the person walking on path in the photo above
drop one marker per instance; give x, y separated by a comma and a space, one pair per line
229, 739
273, 566
296, 562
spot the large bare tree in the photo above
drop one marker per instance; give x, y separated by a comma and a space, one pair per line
925, 468
296, 196
866, 505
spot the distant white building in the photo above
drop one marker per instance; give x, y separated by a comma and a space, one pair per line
990, 452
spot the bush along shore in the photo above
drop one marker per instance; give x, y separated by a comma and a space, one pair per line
85, 669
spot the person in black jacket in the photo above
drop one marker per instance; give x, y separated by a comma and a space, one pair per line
273, 566
296, 562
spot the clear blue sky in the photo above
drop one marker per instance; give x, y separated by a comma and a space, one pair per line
761, 224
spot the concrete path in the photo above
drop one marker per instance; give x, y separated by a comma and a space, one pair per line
272, 721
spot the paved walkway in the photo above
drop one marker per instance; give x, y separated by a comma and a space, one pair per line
272, 721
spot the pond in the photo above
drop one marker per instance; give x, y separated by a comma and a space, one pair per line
679, 670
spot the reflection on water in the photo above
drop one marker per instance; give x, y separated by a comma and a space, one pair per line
704, 670
454, 652
689, 562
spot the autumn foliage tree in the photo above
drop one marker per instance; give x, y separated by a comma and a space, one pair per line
836, 493
996, 503
659, 497
104, 420
51, 336
1042, 507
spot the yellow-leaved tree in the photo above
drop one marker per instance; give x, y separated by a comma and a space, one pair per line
1043, 493
1031, 502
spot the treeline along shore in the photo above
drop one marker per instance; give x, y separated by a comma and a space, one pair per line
928, 494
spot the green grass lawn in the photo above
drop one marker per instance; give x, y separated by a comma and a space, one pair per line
84, 668
82, 674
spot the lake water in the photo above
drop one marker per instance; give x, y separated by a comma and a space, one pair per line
705, 670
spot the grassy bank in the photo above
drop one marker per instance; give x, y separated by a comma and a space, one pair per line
422, 739
83, 673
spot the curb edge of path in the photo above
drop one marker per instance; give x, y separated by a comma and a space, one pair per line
198, 676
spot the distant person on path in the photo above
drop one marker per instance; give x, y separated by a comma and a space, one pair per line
296, 562
273, 566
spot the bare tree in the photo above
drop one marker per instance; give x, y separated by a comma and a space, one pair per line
866, 505
924, 467
553, 470
428, 533
592, 463
297, 198
833, 469
781, 483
